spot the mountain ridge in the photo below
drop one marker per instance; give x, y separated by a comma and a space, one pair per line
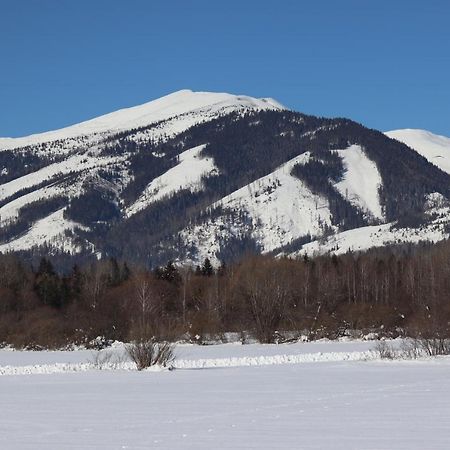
173, 104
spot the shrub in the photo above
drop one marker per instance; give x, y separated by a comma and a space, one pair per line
434, 346
410, 349
147, 353
385, 350
104, 359
101, 360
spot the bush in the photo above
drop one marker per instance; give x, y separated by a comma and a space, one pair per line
434, 346
410, 349
413, 348
385, 350
147, 353
104, 359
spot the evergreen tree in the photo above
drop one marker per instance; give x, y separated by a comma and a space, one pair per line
47, 285
207, 269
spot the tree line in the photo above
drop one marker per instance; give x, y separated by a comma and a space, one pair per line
391, 291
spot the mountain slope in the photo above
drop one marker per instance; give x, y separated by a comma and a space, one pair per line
278, 209
434, 148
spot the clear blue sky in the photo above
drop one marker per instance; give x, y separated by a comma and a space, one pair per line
383, 63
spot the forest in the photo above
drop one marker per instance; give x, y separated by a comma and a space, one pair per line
397, 291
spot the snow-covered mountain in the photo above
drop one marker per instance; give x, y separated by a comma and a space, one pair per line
195, 174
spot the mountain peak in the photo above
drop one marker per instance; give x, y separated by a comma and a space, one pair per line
169, 106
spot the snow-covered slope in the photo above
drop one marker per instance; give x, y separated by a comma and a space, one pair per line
278, 209
433, 147
186, 106
51, 230
187, 174
283, 206
364, 238
361, 181
79, 163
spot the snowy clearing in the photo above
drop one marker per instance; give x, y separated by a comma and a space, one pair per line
331, 405
360, 239
77, 163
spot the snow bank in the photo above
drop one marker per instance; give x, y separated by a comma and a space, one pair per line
194, 363
275, 360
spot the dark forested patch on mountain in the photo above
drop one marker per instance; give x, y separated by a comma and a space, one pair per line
17, 163
92, 207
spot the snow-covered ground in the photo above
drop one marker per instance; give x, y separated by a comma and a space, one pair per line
188, 353
363, 404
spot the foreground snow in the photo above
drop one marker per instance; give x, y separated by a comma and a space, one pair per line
331, 405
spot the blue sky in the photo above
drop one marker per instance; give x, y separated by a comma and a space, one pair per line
383, 63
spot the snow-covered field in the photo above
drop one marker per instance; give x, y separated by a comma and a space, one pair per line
349, 400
